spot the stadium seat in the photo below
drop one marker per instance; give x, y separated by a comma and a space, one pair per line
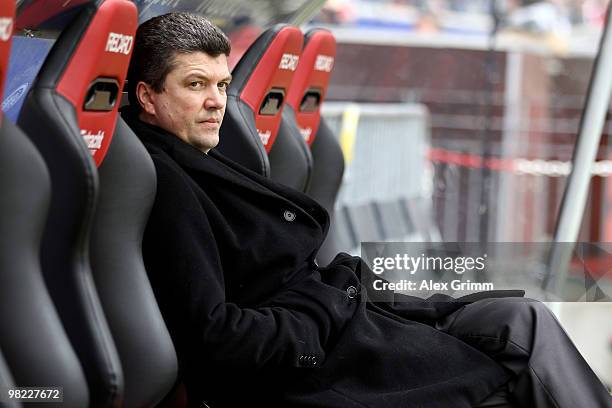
253, 132
70, 115
127, 191
305, 97
393, 220
34, 344
364, 223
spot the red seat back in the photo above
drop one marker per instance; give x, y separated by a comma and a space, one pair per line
311, 80
261, 80
271, 77
94, 76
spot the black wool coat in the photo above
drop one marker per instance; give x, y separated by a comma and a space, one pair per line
257, 323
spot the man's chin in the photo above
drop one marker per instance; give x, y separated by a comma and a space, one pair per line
206, 142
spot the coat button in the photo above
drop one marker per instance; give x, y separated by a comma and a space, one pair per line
289, 215
351, 291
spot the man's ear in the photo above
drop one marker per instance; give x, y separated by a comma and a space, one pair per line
145, 96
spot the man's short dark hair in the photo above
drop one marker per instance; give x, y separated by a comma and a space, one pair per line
159, 39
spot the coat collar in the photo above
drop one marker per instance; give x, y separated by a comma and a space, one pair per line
217, 165
183, 153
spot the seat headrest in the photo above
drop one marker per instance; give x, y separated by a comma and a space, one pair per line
88, 68
7, 23
263, 77
311, 80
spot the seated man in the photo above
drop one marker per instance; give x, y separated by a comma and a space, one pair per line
255, 321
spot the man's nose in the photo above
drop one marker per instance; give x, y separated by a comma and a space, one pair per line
215, 99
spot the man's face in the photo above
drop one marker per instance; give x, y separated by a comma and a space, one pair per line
192, 102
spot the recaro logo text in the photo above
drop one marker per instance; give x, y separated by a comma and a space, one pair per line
119, 43
324, 63
289, 62
6, 28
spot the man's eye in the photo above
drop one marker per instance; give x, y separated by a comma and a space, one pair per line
196, 84
223, 85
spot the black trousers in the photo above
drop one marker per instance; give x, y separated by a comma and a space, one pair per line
525, 337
